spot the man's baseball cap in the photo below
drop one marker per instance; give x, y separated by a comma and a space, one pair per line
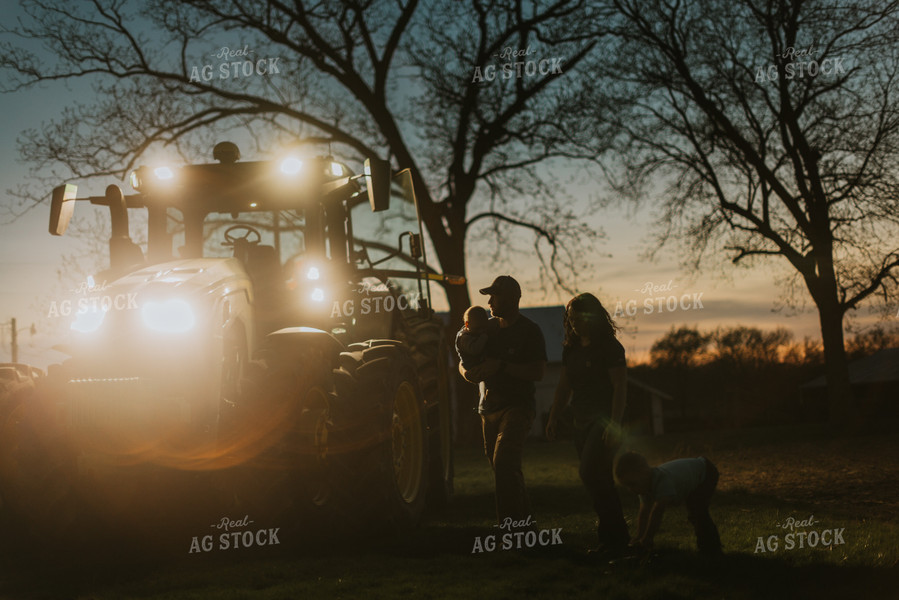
504, 284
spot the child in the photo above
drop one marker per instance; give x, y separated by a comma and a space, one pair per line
690, 481
471, 341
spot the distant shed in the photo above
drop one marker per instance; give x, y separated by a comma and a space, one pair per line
875, 386
645, 411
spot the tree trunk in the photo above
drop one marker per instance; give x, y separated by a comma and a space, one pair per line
843, 412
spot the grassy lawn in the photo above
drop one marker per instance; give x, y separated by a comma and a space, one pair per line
766, 477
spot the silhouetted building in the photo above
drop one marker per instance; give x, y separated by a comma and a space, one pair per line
645, 410
875, 386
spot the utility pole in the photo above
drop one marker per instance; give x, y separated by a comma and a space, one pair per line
15, 337
15, 344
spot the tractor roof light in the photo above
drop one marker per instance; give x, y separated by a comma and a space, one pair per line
163, 175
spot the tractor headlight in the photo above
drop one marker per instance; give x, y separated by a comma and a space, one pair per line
317, 295
291, 165
168, 316
88, 321
312, 274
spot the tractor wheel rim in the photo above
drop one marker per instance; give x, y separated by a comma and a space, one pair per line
316, 399
407, 442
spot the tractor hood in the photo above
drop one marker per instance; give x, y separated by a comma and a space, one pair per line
188, 277
179, 296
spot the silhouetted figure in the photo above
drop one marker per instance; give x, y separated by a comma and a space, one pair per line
516, 358
471, 340
594, 378
688, 481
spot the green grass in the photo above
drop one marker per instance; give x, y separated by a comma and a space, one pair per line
435, 560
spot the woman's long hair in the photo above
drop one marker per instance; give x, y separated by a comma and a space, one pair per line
600, 326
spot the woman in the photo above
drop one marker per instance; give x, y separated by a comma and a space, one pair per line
594, 378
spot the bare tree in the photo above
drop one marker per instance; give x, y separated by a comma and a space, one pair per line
776, 126
744, 348
681, 348
421, 82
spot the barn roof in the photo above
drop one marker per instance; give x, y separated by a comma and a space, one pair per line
880, 367
549, 319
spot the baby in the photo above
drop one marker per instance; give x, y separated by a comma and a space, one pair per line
471, 341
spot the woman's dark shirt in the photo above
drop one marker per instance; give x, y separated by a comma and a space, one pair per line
587, 369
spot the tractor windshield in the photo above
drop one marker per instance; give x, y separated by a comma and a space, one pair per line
216, 234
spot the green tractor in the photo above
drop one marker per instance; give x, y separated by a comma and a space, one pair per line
279, 323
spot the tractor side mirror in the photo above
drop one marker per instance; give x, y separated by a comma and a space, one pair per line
62, 205
377, 180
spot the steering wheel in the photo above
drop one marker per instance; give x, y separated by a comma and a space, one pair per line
230, 240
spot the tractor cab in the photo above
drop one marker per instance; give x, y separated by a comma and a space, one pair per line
319, 249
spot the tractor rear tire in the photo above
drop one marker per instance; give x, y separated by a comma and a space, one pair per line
390, 466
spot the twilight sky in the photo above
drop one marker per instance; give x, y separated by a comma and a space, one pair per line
30, 258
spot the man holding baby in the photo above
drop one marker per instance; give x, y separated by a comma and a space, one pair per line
514, 358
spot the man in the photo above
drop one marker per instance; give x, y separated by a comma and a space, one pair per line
516, 358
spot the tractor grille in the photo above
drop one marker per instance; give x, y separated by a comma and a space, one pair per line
123, 405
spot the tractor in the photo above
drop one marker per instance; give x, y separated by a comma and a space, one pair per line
279, 321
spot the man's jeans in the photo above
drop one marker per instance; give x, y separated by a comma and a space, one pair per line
505, 432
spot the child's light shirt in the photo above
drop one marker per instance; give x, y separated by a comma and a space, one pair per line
675, 480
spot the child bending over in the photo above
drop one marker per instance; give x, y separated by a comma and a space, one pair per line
688, 481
